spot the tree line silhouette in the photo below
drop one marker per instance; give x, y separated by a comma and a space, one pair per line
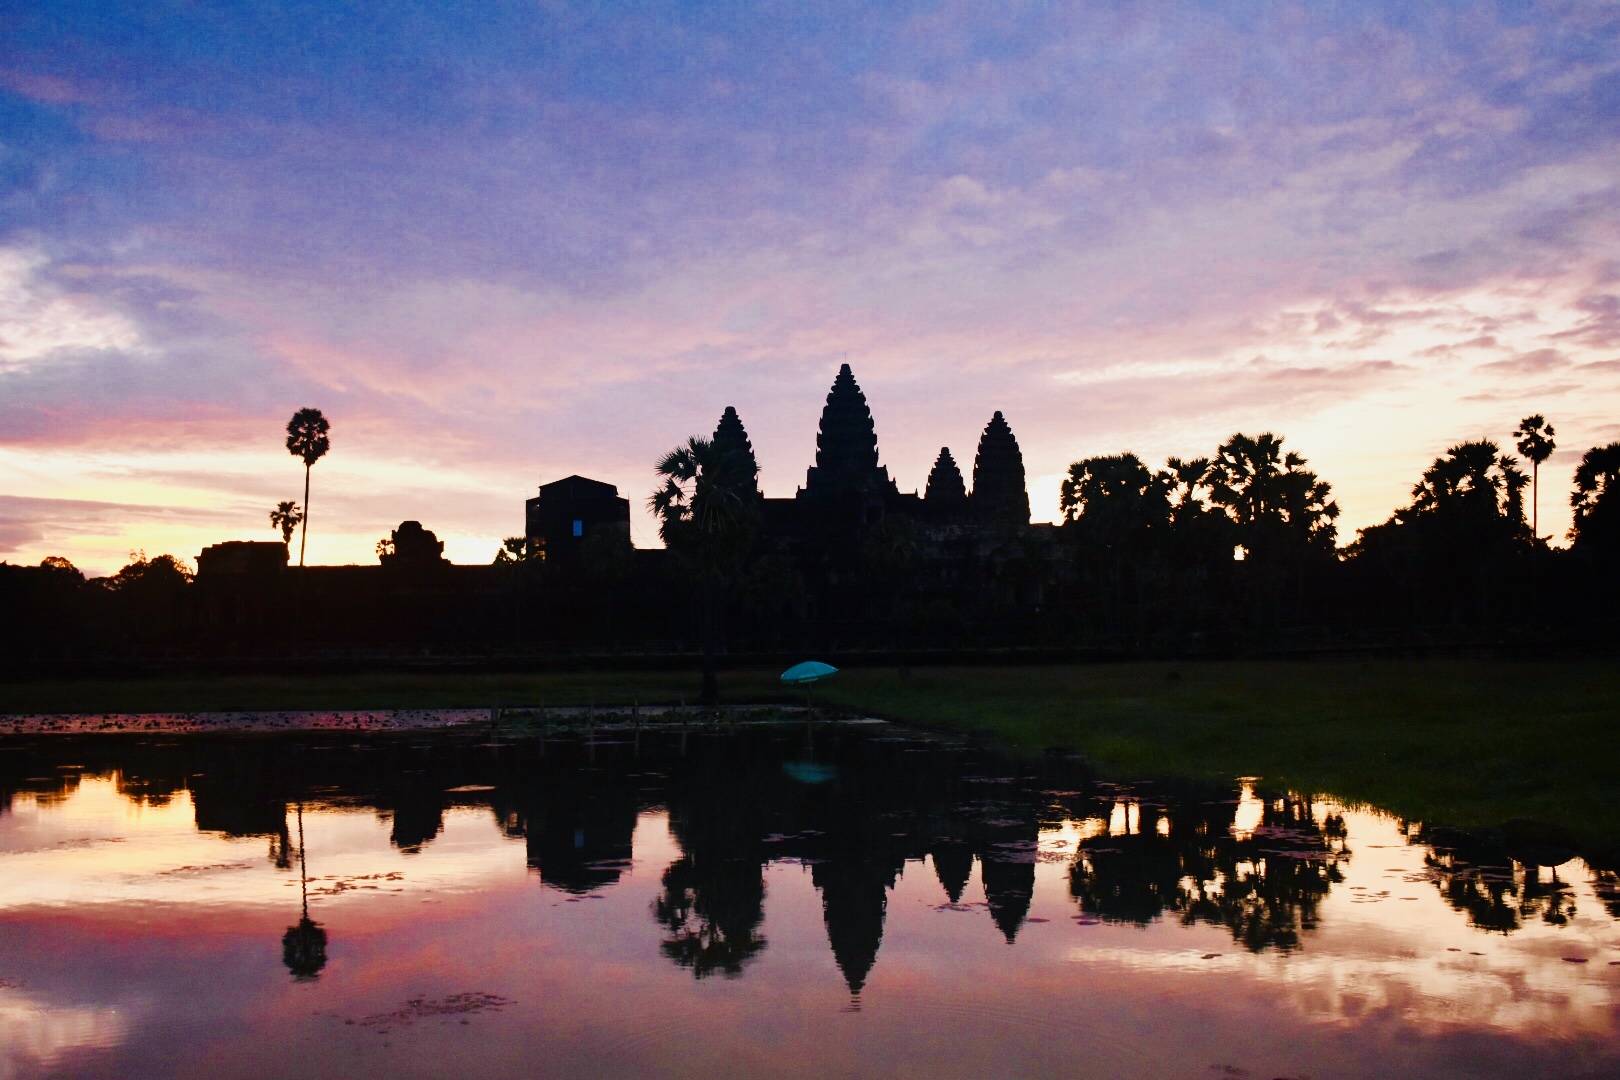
1236, 552
1210, 553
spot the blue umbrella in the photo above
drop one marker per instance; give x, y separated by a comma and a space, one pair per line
808, 672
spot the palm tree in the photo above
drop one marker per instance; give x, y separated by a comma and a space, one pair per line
1535, 437
1456, 544
1282, 515
285, 518
1189, 475
516, 557
1596, 499
307, 439
1118, 488
1272, 498
514, 549
1116, 511
707, 509
1473, 481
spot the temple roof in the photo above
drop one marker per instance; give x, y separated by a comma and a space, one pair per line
730, 434
998, 475
846, 445
945, 486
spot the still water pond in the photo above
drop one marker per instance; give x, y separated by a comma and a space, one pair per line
843, 901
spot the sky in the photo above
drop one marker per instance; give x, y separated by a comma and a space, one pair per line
506, 243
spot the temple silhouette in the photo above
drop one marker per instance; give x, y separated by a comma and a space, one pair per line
1232, 554
847, 494
840, 563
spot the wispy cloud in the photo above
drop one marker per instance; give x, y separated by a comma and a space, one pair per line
501, 247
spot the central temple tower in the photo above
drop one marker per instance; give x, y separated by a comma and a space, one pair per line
846, 446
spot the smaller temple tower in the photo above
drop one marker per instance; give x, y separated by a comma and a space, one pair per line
945, 493
730, 434
999, 494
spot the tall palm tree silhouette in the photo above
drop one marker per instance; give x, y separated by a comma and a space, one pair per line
307, 439
1535, 437
707, 507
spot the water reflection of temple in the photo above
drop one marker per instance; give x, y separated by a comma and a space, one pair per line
860, 809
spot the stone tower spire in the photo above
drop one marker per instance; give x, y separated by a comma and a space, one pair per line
846, 446
945, 488
998, 476
730, 434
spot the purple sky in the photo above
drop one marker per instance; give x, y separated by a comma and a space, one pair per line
501, 245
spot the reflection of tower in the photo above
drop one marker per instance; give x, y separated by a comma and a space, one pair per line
854, 899
953, 862
1006, 838
1008, 888
303, 947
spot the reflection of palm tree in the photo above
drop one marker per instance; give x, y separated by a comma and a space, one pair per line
712, 909
1184, 859
1496, 890
303, 947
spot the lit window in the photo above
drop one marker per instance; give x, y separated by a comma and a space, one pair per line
579, 527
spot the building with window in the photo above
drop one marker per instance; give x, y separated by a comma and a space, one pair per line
568, 512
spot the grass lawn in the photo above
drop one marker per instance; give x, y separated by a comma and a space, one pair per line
1468, 743
1461, 742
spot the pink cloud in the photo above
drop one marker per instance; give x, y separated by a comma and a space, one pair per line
1531, 363
49, 88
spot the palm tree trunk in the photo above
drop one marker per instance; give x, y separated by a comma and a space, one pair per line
1535, 499
1535, 527
304, 533
711, 681
303, 867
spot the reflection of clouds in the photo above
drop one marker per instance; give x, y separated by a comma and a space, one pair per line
35, 1034
150, 854
1461, 992
182, 905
